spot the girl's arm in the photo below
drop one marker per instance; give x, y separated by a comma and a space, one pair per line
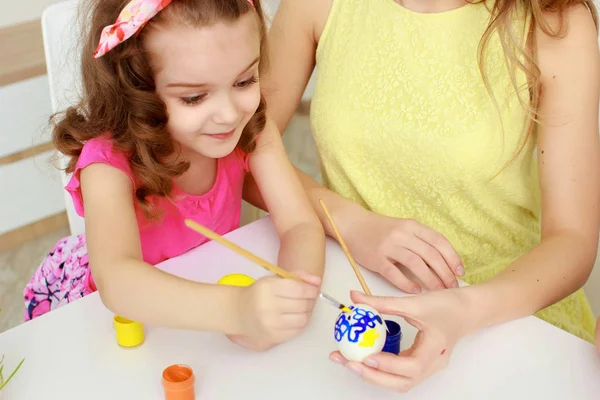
132, 288
569, 170
301, 233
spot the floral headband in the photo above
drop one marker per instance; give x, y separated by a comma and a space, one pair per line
133, 18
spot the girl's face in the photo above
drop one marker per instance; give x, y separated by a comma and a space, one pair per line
208, 79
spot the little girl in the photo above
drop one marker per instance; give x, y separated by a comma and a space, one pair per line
167, 129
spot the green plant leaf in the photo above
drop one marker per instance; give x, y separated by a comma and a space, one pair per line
11, 375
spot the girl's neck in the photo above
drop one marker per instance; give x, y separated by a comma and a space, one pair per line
200, 176
431, 6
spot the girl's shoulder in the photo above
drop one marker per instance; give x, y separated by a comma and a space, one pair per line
102, 149
98, 150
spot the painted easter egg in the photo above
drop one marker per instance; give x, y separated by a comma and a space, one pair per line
359, 333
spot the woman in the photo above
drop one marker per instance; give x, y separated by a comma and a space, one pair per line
456, 140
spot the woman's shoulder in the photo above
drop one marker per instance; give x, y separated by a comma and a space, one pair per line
576, 26
313, 13
572, 39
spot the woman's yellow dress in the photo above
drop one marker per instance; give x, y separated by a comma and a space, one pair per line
405, 127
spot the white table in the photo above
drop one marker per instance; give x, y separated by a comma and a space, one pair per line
71, 353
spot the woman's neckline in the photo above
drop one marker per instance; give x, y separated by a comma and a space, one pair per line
452, 11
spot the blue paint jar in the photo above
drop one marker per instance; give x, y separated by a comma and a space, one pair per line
393, 337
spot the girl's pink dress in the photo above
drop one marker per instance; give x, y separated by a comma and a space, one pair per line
64, 275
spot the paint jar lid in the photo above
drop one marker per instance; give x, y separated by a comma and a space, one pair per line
178, 382
393, 337
236, 280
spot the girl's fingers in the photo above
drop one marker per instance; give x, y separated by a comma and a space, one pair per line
293, 289
293, 321
295, 306
308, 278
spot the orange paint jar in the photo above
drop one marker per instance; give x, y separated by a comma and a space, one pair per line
178, 382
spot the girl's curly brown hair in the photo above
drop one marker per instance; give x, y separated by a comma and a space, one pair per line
119, 94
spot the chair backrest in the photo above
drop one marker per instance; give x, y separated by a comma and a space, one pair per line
60, 33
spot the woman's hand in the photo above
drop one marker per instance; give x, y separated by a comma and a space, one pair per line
440, 317
380, 243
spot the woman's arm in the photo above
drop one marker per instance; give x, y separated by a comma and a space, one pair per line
132, 288
301, 233
293, 39
569, 169
378, 243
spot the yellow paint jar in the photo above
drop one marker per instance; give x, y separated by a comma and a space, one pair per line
129, 333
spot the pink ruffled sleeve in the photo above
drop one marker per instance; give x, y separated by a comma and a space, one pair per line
99, 150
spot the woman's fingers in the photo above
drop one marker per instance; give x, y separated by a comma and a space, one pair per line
402, 254
405, 307
391, 272
433, 259
443, 246
379, 378
407, 366
374, 375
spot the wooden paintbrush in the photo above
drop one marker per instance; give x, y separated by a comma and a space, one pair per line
256, 259
363, 284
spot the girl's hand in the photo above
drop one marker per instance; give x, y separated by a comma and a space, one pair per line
380, 243
440, 318
273, 310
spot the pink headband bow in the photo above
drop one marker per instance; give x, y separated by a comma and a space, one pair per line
131, 19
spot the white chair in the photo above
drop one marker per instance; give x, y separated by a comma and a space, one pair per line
60, 33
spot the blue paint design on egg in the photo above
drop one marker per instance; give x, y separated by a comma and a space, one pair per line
354, 324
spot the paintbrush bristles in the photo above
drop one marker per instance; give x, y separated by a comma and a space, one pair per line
363, 284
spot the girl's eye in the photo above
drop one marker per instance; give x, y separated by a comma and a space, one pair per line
247, 83
192, 100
